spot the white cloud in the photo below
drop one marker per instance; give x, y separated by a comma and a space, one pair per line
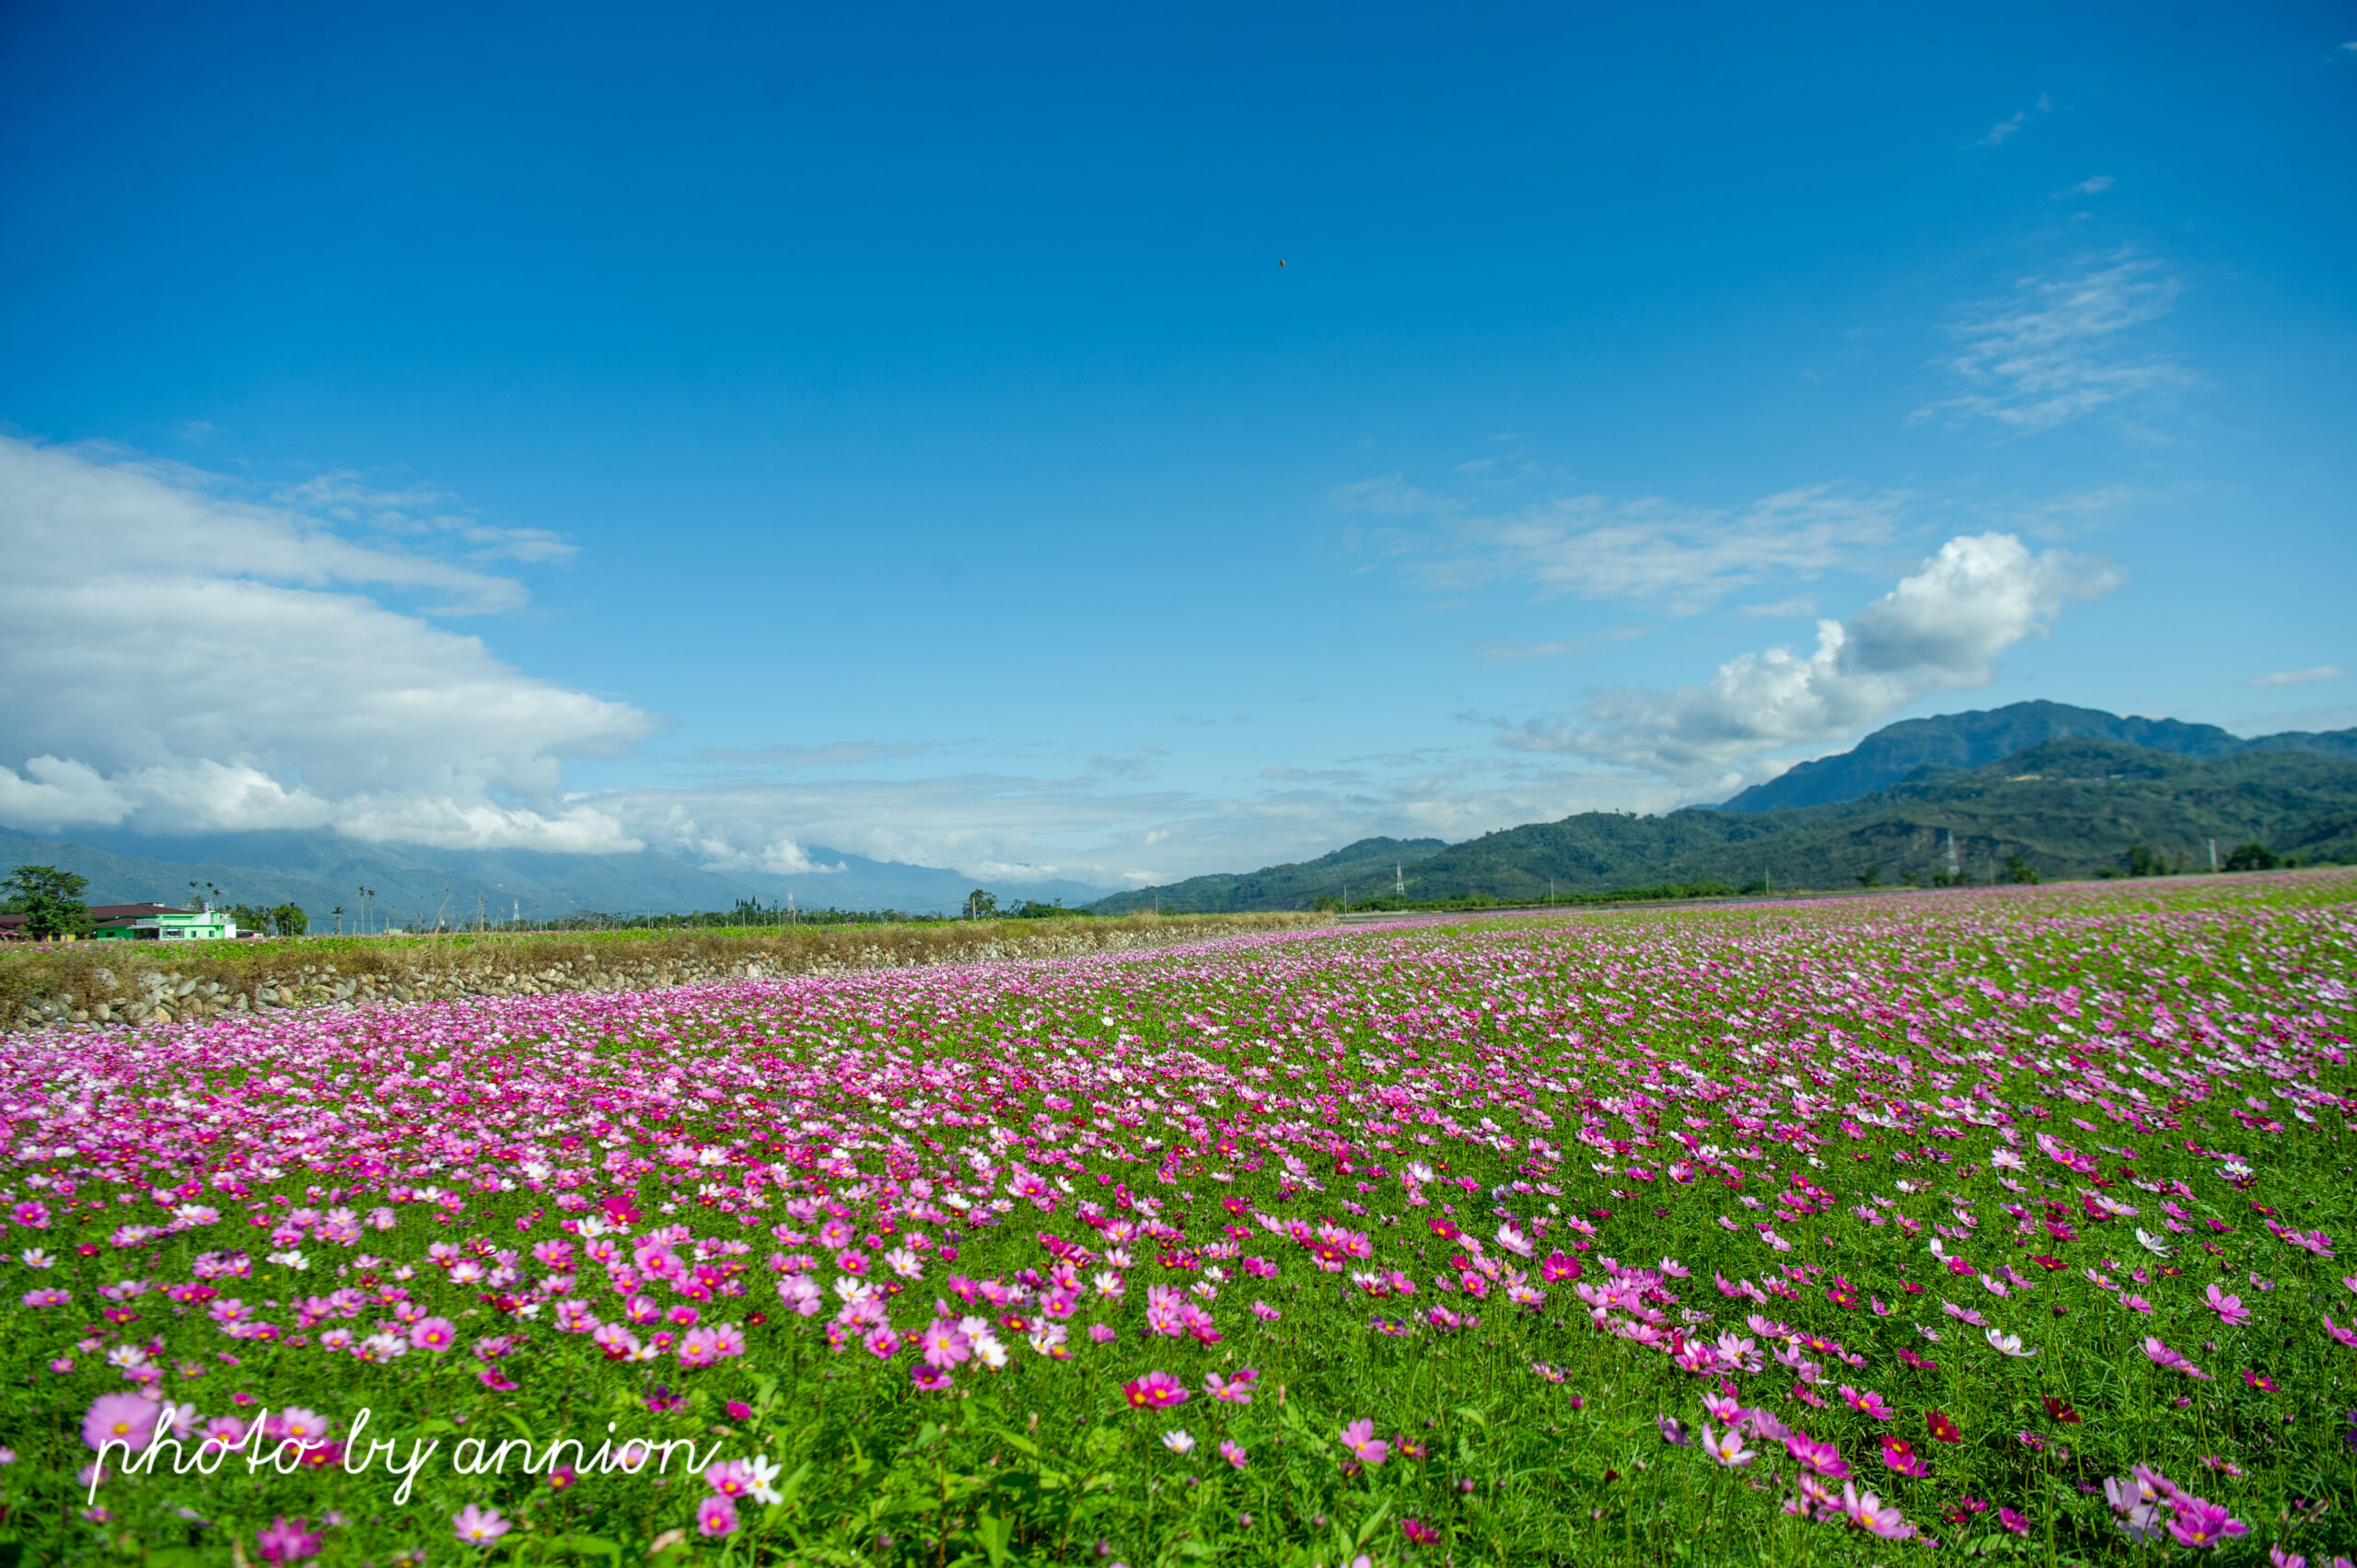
2298, 677
1682, 558
176, 658
2051, 352
2094, 185
1938, 629
2003, 129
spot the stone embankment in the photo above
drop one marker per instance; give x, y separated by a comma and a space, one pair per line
117, 986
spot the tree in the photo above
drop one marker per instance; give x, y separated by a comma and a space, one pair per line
2252, 857
981, 905
1870, 878
289, 920
2142, 862
2020, 870
49, 900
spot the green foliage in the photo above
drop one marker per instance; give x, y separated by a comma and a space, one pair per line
49, 900
1363, 868
2020, 871
2252, 857
2072, 808
1871, 876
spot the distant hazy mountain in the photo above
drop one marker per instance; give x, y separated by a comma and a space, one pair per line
1368, 864
321, 870
1978, 738
2067, 807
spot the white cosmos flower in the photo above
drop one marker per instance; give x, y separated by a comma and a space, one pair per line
2009, 1344
762, 1473
2151, 1243
1179, 1442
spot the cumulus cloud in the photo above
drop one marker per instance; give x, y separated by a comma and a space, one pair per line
1938, 629
1680, 558
2054, 350
2298, 677
175, 657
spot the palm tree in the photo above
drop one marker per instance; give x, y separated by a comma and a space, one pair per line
338, 913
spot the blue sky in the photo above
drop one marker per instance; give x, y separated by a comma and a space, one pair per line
738, 431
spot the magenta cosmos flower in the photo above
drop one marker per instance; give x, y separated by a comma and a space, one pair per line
716, 1515
1154, 1391
478, 1527
287, 1540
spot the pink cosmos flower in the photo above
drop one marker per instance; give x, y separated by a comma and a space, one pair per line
1818, 1459
478, 1527
1232, 1452
716, 1515
2171, 1360
118, 1418
433, 1334
2229, 1309
1360, 1439
1726, 1446
1870, 1514
285, 1541
2195, 1521
1868, 1403
941, 1343
1236, 1390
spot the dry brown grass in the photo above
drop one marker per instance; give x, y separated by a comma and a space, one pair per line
313, 969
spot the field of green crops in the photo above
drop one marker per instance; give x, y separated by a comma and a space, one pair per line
2010, 1224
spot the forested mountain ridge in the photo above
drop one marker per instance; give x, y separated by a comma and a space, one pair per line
2061, 808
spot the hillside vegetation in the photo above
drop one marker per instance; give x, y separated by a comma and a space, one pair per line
2066, 809
1367, 866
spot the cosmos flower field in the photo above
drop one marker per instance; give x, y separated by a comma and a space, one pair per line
2014, 1223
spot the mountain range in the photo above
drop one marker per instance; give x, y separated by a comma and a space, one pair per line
2066, 788
2056, 786
413, 885
1978, 738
